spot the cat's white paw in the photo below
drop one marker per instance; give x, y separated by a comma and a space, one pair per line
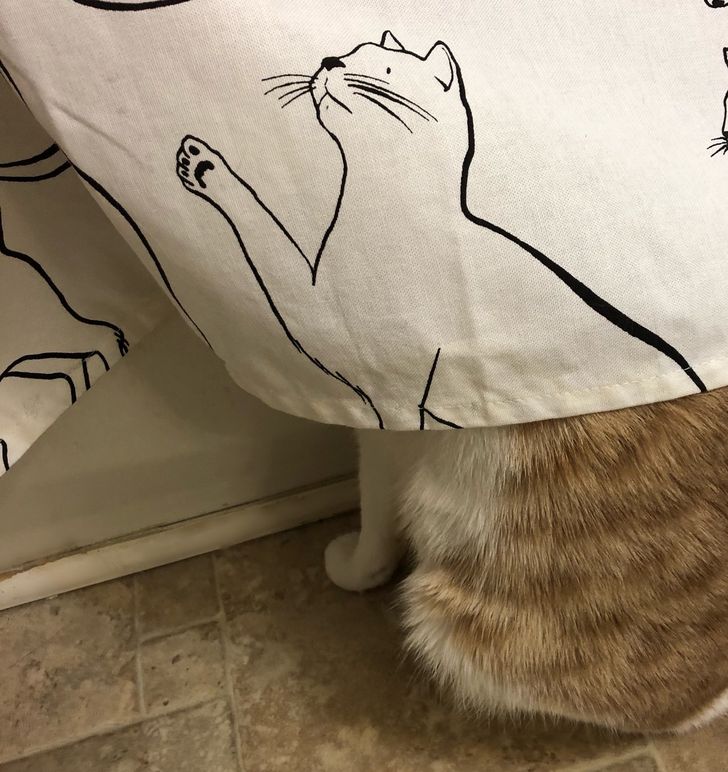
199, 166
349, 569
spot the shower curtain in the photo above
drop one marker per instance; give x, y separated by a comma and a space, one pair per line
384, 215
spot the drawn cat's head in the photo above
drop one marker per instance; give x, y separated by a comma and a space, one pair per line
725, 100
381, 92
719, 145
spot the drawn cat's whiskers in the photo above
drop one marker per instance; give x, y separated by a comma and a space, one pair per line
388, 95
295, 86
300, 93
721, 143
293, 91
287, 85
287, 75
366, 77
385, 108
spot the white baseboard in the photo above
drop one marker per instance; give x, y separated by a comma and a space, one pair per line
185, 539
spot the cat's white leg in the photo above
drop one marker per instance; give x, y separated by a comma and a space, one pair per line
365, 559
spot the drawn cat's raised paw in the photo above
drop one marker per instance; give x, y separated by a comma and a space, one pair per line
199, 166
351, 569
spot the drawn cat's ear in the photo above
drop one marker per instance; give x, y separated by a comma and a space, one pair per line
442, 64
390, 41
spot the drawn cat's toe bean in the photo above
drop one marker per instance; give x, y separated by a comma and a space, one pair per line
193, 146
196, 162
200, 170
184, 176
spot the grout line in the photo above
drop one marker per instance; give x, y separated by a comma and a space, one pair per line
603, 763
226, 646
138, 652
103, 731
166, 632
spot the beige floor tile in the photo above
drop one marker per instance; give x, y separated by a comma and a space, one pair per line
705, 750
198, 740
68, 667
641, 764
281, 570
175, 595
321, 686
318, 676
183, 668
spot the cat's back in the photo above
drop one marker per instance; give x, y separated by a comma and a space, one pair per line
578, 566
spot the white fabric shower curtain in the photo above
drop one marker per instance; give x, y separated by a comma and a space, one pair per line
398, 215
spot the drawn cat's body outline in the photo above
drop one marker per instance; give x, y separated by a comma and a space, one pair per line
47, 164
54, 362
200, 168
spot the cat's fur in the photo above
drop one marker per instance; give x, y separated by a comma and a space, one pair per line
576, 567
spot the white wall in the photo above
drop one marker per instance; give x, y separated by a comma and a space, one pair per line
165, 436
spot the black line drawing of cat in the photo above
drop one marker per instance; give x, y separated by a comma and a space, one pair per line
720, 144
716, 3
16, 172
101, 190
338, 89
53, 342
26, 277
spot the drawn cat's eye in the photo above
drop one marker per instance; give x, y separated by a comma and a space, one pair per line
389, 69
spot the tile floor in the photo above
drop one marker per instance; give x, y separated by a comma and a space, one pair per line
250, 660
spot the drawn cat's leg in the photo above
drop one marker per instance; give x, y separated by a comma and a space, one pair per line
264, 242
425, 412
365, 559
59, 367
263, 237
57, 376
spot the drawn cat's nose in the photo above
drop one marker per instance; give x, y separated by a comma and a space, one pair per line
332, 61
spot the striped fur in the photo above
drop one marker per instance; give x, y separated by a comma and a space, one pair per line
576, 567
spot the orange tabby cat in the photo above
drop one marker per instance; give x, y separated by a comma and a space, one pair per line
574, 567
